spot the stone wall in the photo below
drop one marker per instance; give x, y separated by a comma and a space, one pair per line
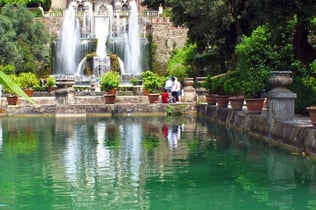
295, 136
59, 4
167, 37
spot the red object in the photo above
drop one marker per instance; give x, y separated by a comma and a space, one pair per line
165, 130
164, 97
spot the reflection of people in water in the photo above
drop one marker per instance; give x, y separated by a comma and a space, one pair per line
165, 130
174, 134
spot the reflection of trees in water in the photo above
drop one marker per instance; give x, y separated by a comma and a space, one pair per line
219, 135
112, 135
151, 138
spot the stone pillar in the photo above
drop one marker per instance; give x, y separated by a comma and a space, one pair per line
65, 96
281, 101
200, 90
189, 91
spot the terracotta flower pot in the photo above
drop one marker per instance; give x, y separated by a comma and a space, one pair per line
312, 115
222, 100
254, 105
29, 92
236, 102
12, 100
109, 98
211, 99
153, 98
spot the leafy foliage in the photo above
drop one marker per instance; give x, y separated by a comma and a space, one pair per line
180, 61
12, 87
23, 39
50, 82
110, 80
28, 80
256, 58
219, 84
152, 81
152, 4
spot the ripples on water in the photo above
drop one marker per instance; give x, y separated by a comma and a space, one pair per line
145, 163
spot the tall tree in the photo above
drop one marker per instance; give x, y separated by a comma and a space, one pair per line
221, 23
278, 13
24, 41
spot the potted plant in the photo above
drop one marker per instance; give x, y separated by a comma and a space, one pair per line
233, 87
12, 97
109, 81
257, 57
28, 81
10, 84
210, 85
252, 91
153, 83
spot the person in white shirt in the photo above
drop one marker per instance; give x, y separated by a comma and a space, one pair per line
175, 89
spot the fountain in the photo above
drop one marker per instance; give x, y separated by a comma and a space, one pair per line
113, 30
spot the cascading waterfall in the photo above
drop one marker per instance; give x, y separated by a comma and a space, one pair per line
101, 32
68, 44
132, 48
109, 30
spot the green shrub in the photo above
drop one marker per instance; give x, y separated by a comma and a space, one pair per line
28, 80
152, 81
50, 82
233, 86
110, 80
15, 79
253, 52
180, 61
133, 81
8, 69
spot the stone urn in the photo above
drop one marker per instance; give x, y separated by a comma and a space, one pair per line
188, 81
281, 101
189, 93
280, 78
199, 81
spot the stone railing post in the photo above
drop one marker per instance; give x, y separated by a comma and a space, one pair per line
200, 90
281, 101
189, 90
65, 96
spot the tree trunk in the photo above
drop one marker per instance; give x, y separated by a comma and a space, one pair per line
236, 20
303, 51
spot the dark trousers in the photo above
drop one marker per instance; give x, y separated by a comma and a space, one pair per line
175, 95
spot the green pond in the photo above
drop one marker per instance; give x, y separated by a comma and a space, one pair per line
145, 163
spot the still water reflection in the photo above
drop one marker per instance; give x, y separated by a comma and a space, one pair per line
145, 163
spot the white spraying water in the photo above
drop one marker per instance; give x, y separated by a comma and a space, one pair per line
101, 32
80, 66
71, 44
68, 44
132, 48
122, 66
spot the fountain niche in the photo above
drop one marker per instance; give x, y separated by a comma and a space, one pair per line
92, 35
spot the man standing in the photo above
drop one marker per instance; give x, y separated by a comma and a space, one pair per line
175, 88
